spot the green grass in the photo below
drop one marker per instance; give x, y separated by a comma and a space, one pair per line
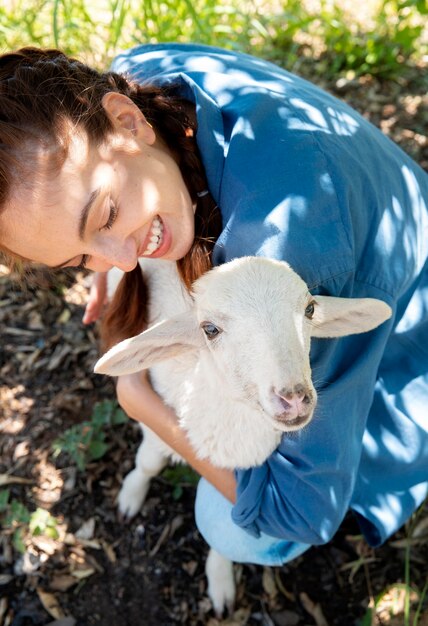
289, 32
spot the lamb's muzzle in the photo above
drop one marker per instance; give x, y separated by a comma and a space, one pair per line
296, 406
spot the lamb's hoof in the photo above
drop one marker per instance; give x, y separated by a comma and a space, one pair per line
226, 612
132, 495
122, 518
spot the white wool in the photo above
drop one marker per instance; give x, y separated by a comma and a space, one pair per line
237, 394
227, 392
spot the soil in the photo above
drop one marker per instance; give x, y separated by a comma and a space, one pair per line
150, 571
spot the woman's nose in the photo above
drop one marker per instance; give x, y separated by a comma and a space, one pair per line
121, 254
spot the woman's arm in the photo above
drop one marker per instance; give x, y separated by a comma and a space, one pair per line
142, 403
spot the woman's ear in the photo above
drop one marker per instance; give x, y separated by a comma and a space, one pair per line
126, 117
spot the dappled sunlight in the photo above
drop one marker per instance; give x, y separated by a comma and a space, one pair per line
49, 480
343, 123
15, 407
315, 122
416, 312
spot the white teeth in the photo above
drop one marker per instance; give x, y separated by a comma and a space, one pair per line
155, 237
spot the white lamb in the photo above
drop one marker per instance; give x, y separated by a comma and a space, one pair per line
232, 359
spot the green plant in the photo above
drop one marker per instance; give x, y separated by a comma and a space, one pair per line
335, 44
405, 598
180, 476
86, 442
291, 33
23, 523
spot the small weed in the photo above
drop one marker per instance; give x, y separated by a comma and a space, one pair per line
86, 442
15, 516
180, 476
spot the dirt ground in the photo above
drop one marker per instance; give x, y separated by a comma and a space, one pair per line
149, 572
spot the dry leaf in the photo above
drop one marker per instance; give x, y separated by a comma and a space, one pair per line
62, 582
86, 531
269, 584
91, 543
3, 608
59, 354
83, 573
45, 544
314, 609
108, 549
50, 603
64, 317
8, 479
5, 579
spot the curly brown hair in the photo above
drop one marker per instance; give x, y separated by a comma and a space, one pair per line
41, 92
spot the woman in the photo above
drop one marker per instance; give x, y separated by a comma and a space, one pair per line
207, 155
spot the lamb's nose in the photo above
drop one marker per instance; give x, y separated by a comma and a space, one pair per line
296, 400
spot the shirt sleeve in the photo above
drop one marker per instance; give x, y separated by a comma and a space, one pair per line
303, 491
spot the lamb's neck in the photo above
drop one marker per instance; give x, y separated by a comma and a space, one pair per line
229, 431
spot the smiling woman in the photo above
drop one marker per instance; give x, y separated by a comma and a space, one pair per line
92, 153
201, 155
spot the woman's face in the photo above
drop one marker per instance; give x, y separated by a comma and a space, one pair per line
108, 205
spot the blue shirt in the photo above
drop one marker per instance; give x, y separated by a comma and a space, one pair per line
300, 176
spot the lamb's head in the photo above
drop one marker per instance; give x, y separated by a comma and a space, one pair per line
251, 325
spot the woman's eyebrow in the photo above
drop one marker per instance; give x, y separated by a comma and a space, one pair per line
85, 213
83, 220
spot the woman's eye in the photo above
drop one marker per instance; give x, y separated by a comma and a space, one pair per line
112, 215
211, 330
310, 310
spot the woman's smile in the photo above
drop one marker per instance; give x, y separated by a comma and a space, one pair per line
132, 197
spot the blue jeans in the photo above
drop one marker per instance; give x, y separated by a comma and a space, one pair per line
214, 521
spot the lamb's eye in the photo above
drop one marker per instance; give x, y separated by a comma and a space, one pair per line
310, 310
211, 330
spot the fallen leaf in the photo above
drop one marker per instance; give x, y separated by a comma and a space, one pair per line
269, 584
50, 603
91, 543
86, 531
3, 609
62, 582
83, 573
313, 608
45, 544
59, 354
108, 549
8, 479
5, 578
64, 317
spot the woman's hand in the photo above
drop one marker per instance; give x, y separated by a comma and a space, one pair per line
97, 298
138, 399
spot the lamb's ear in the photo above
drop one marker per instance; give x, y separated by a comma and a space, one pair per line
337, 317
167, 339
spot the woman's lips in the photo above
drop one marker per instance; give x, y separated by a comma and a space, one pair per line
157, 240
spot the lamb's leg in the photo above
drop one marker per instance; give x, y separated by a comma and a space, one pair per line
221, 582
149, 461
